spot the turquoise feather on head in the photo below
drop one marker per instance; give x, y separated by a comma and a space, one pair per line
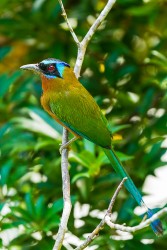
52, 68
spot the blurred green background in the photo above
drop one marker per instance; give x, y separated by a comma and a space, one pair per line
125, 69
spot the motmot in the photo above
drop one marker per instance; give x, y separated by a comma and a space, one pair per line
72, 106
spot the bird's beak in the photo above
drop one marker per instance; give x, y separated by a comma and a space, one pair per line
32, 67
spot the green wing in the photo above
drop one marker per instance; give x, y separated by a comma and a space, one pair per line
78, 111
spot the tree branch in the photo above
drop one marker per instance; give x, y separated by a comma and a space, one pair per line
96, 231
84, 43
64, 160
107, 220
66, 195
82, 46
68, 23
142, 225
97, 22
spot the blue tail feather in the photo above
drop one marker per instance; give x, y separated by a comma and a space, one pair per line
156, 225
129, 184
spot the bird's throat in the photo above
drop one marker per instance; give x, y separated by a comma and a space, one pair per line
52, 84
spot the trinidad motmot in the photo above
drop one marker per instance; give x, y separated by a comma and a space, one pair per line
71, 105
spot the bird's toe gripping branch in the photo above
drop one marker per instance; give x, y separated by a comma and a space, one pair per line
63, 146
66, 145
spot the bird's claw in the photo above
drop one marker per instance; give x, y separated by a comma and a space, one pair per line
67, 144
63, 147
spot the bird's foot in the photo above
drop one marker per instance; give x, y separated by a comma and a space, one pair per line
64, 146
67, 144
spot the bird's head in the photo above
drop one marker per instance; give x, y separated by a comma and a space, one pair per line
50, 68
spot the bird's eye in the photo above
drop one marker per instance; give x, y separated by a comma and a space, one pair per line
51, 68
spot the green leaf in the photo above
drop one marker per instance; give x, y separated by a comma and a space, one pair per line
5, 172
124, 157
84, 158
142, 10
80, 175
4, 50
4, 129
36, 125
30, 205
6, 81
22, 215
118, 128
39, 207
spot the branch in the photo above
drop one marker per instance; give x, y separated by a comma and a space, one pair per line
84, 43
142, 225
107, 220
68, 23
98, 21
82, 46
110, 207
64, 160
103, 221
66, 195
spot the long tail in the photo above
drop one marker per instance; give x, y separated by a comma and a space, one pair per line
116, 164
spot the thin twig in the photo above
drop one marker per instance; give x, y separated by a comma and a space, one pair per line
110, 207
66, 195
90, 33
107, 220
142, 225
68, 23
98, 21
84, 43
100, 226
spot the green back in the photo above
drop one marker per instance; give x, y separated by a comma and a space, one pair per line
77, 110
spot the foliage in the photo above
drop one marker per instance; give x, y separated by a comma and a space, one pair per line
125, 70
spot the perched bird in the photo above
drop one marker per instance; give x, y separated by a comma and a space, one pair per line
71, 105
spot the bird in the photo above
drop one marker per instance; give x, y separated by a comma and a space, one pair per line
71, 105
